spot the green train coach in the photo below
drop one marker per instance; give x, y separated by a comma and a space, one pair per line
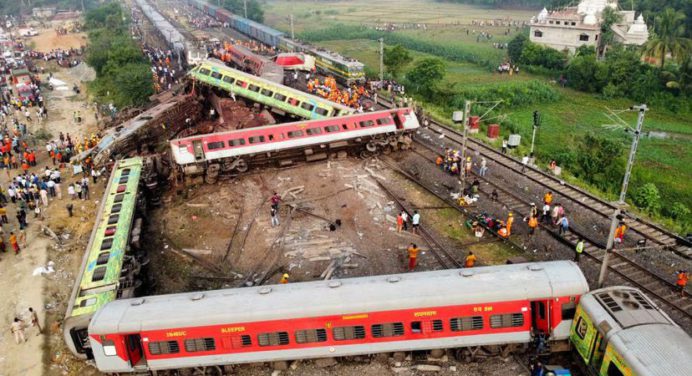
619, 331
345, 70
107, 272
282, 99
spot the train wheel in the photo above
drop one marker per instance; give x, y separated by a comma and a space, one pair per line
364, 154
387, 149
242, 166
371, 147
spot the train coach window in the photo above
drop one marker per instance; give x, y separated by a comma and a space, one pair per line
113, 219
236, 142
321, 111
267, 92
240, 83
393, 329
345, 333
216, 145
123, 179
273, 339
99, 274
200, 344
294, 134
236, 342
331, 128
119, 198
293, 101
109, 348
279, 97
125, 172
216, 75
311, 335
116, 208
204, 71
103, 258
254, 88
256, 139
307, 106
228, 79
313, 131
366, 123
460, 324
417, 327
384, 121
106, 244
568, 310
437, 326
164, 347
507, 320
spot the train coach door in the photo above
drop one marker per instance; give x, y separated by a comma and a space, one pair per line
540, 316
134, 350
198, 149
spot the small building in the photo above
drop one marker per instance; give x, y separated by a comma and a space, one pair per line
573, 27
43, 12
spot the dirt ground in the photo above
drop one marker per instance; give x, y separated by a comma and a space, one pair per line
48, 294
48, 39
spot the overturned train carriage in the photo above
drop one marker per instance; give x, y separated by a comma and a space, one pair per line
485, 306
235, 151
110, 269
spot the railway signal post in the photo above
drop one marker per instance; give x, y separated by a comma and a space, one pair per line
623, 192
536, 124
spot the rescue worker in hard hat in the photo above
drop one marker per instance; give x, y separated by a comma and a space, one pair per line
284, 279
510, 221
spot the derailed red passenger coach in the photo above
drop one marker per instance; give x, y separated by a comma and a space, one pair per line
236, 150
497, 305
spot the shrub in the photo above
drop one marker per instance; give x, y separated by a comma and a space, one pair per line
678, 211
647, 198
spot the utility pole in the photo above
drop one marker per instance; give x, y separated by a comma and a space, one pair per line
536, 124
381, 59
245, 7
623, 192
463, 118
292, 34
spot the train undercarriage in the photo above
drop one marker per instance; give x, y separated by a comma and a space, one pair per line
234, 166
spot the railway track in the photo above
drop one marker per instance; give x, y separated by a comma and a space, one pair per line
651, 232
624, 267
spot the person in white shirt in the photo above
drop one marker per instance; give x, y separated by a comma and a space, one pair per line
415, 220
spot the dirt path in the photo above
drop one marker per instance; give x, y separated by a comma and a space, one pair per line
47, 294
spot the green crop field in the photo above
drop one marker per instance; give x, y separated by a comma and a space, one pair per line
662, 159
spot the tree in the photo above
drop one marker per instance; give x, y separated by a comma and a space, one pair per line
647, 197
254, 10
609, 17
599, 162
426, 74
395, 59
669, 37
516, 46
585, 73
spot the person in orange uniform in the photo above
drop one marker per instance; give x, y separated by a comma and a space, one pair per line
470, 260
510, 221
284, 279
14, 243
533, 223
681, 283
548, 198
620, 232
412, 256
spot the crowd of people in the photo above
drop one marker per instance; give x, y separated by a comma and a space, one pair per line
352, 96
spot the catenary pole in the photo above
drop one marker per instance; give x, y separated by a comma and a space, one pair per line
623, 193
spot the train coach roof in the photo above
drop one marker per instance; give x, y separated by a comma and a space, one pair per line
655, 349
347, 296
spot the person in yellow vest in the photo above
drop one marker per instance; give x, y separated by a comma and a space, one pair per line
578, 250
510, 221
548, 198
284, 279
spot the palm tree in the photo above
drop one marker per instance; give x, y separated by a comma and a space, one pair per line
669, 36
